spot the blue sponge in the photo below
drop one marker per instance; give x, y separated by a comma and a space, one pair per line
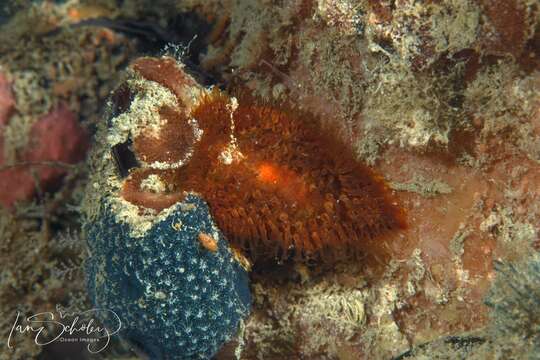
175, 298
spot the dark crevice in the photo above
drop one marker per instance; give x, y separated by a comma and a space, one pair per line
124, 158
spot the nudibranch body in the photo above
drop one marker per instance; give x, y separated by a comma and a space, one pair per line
277, 182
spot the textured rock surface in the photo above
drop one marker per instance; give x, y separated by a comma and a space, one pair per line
442, 99
55, 137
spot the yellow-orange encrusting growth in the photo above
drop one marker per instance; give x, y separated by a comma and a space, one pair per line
294, 188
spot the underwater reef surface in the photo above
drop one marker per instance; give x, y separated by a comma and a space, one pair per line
439, 98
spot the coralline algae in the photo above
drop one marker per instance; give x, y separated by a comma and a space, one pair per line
175, 298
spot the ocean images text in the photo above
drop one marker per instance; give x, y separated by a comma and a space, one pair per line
60, 327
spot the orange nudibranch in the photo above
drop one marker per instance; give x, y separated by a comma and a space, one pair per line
276, 182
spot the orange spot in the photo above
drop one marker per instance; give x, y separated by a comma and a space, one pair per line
284, 181
208, 242
74, 14
107, 35
268, 174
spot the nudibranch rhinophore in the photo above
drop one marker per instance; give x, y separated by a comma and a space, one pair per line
276, 181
